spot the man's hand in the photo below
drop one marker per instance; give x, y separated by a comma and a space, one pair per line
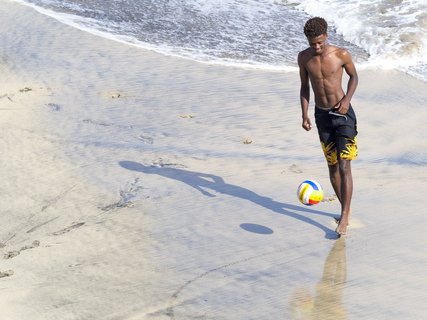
306, 124
343, 106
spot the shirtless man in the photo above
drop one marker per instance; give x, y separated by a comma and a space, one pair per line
322, 65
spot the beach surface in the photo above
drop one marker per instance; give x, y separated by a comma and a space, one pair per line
142, 186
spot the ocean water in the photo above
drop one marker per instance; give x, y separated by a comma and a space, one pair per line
256, 33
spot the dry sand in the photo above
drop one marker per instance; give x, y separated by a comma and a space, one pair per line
140, 186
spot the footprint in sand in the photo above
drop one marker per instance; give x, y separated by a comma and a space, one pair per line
186, 116
127, 195
246, 140
6, 273
26, 89
146, 139
9, 97
295, 169
68, 229
34, 244
160, 163
13, 254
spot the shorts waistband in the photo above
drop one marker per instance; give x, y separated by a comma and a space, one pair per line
324, 109
330, 111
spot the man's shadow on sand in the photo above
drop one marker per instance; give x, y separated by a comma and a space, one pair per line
208, 182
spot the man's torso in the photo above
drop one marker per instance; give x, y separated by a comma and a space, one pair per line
325, 72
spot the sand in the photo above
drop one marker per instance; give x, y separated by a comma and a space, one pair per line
142, 186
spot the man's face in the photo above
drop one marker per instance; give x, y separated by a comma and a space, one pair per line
318, 43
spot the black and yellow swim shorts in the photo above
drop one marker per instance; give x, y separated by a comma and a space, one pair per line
337, 134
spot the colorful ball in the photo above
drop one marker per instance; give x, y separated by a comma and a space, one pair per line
310, 192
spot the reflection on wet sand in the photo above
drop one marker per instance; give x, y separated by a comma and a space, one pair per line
327, 303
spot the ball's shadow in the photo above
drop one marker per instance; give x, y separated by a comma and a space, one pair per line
256, 228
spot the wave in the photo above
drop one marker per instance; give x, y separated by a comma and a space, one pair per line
264, 34
394, 33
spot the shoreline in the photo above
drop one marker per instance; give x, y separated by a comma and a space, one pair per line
369, 66
141, 186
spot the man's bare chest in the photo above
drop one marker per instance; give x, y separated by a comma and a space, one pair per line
319, 67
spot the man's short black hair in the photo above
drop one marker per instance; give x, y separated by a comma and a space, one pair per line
315, 27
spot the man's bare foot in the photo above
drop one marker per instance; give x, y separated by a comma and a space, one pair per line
341, 228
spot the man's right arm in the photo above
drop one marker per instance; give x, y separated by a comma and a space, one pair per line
304, 93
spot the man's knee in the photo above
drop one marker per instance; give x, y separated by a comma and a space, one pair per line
334, 168
344, 166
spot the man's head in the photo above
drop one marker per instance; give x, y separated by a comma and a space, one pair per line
316, 31
315, 27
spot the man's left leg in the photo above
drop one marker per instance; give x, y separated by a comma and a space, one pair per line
346, 194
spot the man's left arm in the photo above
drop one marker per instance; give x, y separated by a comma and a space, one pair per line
353, 80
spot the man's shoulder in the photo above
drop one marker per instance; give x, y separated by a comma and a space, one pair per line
304, 54
338, 51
